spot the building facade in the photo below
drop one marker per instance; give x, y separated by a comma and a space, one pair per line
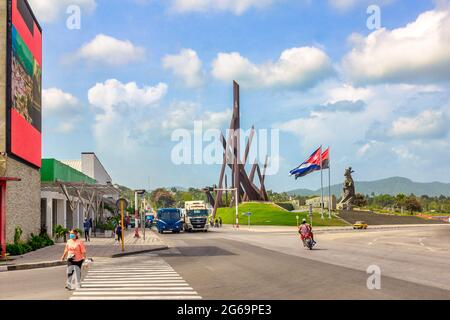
68, 195
20, 137
315, 202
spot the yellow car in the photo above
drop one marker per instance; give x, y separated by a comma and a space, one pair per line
360, 225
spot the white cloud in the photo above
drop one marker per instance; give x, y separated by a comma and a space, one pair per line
417, 53
56, 101
296, 67
63, 108
217, 120
404, 153
182, 115
235, 6
108, 50
344, 5
66, 127
429, 124
187, 66
113, 93
126, 112
48, 11
346, 92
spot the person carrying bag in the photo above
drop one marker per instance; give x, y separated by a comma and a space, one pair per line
75, 252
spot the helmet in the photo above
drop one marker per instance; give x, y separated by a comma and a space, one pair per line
304, 221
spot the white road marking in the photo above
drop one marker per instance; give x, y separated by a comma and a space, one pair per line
154, 280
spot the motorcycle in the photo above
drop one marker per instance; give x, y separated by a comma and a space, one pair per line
308, 242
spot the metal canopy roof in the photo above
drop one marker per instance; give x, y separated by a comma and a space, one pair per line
73, 187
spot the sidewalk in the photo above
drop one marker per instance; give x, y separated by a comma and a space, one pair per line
98, 247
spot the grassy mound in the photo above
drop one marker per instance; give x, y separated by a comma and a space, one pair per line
269, 214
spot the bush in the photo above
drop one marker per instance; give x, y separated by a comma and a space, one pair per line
17, 235
35, 243
39, 242
18, 249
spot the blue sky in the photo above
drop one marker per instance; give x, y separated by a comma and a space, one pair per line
137, 70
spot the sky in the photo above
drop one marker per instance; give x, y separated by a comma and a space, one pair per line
133, 72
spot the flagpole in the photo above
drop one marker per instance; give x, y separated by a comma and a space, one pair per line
321, 182
329, 183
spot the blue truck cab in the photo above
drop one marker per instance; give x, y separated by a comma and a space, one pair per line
169, 220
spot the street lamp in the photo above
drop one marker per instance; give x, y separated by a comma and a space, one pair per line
136, 212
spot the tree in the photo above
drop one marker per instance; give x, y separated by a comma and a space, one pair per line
413, 205
400, 200
360, 200
162, 198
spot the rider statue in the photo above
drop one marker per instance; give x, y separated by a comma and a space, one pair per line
348, 191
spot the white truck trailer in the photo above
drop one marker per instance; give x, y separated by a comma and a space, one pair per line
195, 216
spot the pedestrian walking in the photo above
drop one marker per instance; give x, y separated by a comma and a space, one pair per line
87, 227
216, 225
75, 253
119, 233
220, 222
91, 225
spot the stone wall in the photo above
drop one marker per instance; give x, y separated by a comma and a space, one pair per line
23, 200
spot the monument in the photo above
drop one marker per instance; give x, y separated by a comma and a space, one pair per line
241, 180
348, 194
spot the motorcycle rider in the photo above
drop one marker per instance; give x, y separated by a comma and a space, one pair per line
305, 231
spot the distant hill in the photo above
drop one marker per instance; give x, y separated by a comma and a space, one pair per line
391, 186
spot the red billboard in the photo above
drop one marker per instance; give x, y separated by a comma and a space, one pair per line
24, 113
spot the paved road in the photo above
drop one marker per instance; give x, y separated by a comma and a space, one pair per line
414, 264
266, 264
38, 284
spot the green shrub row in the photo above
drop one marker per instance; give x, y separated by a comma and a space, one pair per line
35, 242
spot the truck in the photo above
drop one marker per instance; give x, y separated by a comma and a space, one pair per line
169, 220
195, 216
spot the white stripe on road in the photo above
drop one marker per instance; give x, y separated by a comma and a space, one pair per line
152, 288
155, 280
132, 293
136, 285
140, 298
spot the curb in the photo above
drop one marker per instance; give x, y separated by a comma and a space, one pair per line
51, 264
37, 265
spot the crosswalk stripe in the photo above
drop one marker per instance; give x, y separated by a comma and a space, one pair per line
133, 278
124, 285
90, 284
132, 293
140, 298
155, 280
152, 288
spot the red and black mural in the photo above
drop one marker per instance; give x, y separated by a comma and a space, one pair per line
25, 109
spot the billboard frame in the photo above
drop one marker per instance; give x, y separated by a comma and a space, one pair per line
8, 85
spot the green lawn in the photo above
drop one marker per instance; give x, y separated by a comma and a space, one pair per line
267, 214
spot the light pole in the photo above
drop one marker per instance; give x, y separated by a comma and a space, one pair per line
235, 202
122, 204
136, 212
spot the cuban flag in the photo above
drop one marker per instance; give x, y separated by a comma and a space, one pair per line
309, 166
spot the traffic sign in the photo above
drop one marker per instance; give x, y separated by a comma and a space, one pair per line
120, 201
